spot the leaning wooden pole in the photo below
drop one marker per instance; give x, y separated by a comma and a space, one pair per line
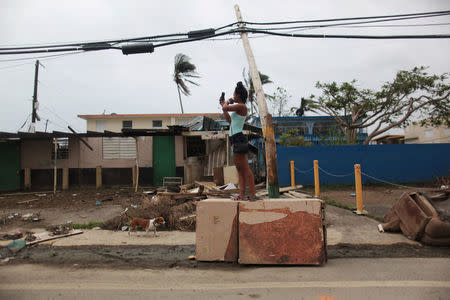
266, 118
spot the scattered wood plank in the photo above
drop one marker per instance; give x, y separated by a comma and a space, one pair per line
28, 193
290, 188
288, 195
299, 195
45, 236
27, 201
210, 185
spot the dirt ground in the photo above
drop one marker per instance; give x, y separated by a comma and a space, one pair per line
378, 199
81, 206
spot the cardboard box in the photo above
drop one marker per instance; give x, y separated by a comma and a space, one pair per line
216, 230
282, 231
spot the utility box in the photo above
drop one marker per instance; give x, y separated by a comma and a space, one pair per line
216, 230
282, 231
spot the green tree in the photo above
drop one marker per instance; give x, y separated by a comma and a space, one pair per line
293, 138
412, 94
278, 102
265, 79
184, 71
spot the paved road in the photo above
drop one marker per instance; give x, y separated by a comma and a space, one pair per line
394, 278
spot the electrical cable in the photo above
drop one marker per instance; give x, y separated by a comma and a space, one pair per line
25, 122
39, 57
347, 19
343, 36
351, 23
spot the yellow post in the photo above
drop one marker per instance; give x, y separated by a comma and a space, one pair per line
316, 178
292, 174
358, 186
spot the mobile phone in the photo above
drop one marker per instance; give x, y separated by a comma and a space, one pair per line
222, 97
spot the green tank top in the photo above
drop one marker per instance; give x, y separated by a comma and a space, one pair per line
237, 123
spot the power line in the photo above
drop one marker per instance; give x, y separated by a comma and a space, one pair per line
342, 36
39, 57
442, 12
352, 23
211, 33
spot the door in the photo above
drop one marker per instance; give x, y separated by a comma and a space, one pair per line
163, 158
9, 166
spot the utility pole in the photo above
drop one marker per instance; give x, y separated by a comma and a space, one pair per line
265, 117
34, 115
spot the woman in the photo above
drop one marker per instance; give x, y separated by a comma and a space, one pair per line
239, 142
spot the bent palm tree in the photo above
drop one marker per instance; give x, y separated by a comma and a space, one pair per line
183, 70
251, 89
305, 105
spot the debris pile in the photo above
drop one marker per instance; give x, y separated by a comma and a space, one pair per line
58, 229
178, 208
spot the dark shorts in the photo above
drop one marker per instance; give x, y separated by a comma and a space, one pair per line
239, 143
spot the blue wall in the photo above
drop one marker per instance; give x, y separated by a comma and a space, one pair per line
393, 163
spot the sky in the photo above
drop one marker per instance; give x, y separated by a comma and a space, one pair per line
110, 82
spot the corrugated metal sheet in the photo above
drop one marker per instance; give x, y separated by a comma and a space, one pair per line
118, 147
215, 159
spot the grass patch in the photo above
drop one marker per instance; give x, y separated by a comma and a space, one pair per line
340, 205
89, 225
351, 208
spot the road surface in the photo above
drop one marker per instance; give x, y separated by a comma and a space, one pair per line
363, 278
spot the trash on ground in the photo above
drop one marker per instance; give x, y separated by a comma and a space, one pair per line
418, 220
59, 229
15, 236
16, 245
29, 236
97, 203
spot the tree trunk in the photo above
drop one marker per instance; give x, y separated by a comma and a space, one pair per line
179, 95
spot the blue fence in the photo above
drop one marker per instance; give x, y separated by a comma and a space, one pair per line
392, 163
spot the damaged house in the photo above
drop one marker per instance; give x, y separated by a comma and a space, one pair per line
123, 148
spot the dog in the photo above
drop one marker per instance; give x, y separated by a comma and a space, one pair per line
146, 224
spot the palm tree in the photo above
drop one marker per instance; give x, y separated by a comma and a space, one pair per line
305, 105
251, 89
184, 70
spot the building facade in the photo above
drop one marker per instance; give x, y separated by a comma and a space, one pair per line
416, 134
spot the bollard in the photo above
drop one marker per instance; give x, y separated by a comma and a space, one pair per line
358, 187
316, 178
292, 174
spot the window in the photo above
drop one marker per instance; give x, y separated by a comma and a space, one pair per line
195, 146
100, 126
128, 124
429, 133
62, 148
118, 147
447, 131
157, 124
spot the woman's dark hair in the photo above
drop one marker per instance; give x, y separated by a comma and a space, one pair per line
241, 91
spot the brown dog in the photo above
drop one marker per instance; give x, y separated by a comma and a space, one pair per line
146, 224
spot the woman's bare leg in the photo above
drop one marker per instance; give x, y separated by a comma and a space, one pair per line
241, 173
